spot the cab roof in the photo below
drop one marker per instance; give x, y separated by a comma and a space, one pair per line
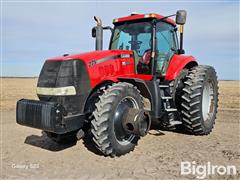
143, 16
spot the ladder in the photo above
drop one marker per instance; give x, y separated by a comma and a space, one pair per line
169, 106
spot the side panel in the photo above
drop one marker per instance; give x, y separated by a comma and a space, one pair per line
107, 65
177, 63
112, 69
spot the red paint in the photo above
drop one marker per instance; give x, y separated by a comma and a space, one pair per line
177, 63
142, 16
108, 70
114, 69
122, 67
94, 55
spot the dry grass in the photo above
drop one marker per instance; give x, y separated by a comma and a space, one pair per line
14, 89
229, 94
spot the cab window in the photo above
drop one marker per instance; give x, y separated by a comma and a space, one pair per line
135, 36
165, 45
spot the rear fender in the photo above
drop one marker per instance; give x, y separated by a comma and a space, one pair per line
177, 63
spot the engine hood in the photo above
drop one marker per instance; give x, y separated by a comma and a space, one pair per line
94, 55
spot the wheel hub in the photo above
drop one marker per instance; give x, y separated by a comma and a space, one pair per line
122, 137
207, 101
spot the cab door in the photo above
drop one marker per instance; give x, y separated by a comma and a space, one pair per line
166, 46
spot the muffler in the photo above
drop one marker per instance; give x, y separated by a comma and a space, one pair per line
97, 32
136, 121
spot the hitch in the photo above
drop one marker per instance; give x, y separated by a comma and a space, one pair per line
136, 121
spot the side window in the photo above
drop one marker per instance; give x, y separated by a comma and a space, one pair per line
164, 38
164, 45
145, 39
123, 42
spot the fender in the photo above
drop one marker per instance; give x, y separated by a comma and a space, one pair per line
149, 89
140, 84
136, 80
177, 63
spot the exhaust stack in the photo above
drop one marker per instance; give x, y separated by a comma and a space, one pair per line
97, 32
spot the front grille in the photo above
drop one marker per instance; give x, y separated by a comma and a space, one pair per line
39, 114
62, 73
49, 74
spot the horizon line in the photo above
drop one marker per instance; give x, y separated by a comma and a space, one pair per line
28, 77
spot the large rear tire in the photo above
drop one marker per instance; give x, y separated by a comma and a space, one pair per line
199, 100
107, 131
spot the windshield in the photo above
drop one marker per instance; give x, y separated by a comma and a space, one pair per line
136, 36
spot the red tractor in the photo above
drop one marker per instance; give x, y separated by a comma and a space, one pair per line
101, 93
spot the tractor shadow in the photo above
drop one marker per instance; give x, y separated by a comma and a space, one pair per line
89, 144
160, 130
46, 143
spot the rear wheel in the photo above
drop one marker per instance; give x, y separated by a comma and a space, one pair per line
107, 130
198, 101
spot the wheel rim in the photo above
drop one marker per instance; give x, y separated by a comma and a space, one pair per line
207, 101
120, 134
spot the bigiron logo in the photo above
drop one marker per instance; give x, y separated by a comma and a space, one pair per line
201, 171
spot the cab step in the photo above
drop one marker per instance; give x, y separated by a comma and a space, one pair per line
174, 123
163, 86
166, 97
170, 109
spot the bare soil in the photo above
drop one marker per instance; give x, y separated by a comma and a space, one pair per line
27, 153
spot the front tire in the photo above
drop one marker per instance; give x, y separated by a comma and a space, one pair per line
199, 100
108, 133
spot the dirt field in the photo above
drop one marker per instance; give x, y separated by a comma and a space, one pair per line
29, 154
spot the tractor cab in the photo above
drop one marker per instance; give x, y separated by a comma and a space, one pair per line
138, 36
151, 37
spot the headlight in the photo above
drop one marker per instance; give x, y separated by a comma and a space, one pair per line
59, 91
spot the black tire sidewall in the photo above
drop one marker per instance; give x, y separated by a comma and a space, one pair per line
119, 148
209, 77
190, 99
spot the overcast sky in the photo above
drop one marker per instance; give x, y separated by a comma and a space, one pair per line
34, 31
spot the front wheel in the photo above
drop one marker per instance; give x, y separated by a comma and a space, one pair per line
199, 100
107, 130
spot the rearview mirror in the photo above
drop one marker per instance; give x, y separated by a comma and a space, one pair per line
181, 17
